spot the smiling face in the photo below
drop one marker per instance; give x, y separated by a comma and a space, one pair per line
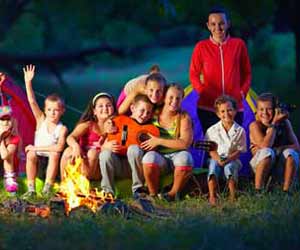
173, 99
226, 113
53, 110
265, 112
154, 91
218, 25
5, 123
103, 108
141, 111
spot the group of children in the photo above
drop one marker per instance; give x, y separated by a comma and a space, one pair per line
149, 99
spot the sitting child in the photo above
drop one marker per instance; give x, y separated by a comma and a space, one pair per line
87, 137
8, 148
272, 138
176, 136
49, 138
231, 140
153, 87
113, 163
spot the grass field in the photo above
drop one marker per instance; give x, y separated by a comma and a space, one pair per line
265, 222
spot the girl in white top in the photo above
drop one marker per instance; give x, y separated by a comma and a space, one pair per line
50, 135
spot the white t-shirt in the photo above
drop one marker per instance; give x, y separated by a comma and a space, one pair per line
228, 142
44, 138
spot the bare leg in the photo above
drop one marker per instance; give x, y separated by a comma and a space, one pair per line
180, 178
289, 173
262, 171
52, 167
8, 165
64, 161
31, 166
151, 174
231, 186
212, 188
92, 167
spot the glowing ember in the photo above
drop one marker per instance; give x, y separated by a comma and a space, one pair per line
75, 190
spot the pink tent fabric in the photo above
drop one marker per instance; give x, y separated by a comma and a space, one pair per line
22, 113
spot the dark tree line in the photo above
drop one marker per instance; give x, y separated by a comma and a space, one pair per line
57, 34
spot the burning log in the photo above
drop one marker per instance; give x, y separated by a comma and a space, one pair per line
76, 192
42, 210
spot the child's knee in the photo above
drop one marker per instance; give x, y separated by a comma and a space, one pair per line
92, 154
183, 158
31, 155
134, 151
54, 155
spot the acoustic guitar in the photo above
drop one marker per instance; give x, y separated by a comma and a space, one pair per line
129, 132
205, 145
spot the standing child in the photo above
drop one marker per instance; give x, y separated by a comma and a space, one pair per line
176, 135
49, 138
231, 140
88, 135
8, 148
272, 136
153, 87
113, 164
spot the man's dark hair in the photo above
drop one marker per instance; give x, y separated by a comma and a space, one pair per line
219, 10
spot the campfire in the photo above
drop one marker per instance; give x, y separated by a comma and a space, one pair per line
76, 197
75, 190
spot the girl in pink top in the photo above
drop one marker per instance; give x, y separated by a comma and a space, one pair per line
87, 137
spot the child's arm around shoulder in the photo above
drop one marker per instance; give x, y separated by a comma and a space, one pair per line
29, 71
125, 105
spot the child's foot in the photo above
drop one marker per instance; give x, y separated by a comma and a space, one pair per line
47, 190
212, 200
10, 182
29, 195
232, 198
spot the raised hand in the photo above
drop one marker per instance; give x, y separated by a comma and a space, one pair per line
280, 115
28, 73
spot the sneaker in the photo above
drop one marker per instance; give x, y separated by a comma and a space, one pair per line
107, 196
10, 183
47, 190
166, 197
140, 193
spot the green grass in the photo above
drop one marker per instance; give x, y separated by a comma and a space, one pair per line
268, 222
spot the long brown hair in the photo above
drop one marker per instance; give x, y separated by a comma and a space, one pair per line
88, 114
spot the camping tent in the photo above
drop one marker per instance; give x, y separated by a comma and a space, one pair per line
22, 113
189, 104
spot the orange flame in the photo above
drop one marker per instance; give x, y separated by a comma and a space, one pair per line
76, 189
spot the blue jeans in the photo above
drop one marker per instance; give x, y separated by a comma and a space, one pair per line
231, 169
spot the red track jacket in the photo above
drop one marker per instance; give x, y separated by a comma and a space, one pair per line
220, 69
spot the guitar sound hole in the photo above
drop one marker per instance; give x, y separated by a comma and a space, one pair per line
143, 137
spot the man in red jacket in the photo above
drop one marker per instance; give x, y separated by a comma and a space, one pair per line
219, 65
